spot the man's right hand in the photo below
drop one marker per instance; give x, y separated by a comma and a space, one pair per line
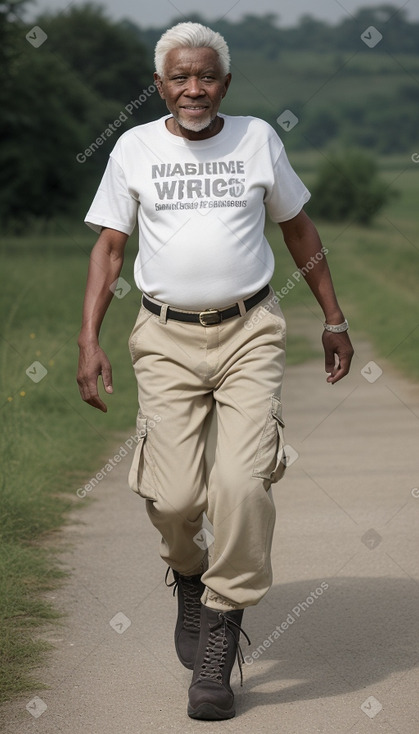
92, 363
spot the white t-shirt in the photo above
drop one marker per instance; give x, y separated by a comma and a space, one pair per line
200, 207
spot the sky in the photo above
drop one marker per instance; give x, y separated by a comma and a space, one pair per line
148, 13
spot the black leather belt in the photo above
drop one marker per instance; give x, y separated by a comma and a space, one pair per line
210, 316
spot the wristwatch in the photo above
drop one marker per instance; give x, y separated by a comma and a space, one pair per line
337, 328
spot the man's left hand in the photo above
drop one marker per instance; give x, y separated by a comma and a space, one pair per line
338, 352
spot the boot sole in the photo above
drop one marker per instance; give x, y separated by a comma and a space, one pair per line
209, 712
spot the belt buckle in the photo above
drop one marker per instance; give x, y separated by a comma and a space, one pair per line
210, 317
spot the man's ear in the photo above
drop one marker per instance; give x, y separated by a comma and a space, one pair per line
158, 83
227, 81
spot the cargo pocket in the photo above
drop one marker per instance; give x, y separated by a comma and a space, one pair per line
141, 477
270, 461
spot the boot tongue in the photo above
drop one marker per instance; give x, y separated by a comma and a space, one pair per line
215, 654
192, 595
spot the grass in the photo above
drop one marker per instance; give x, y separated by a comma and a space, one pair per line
51, 442
26, 573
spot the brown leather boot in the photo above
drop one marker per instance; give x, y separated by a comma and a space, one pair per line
190, 590
210, 693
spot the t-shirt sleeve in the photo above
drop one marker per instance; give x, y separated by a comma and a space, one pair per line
288, 193
113, 206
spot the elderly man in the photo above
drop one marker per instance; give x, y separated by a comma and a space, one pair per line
199, 183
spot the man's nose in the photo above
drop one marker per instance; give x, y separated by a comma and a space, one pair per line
194, 88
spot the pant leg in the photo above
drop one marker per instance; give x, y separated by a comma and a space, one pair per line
247, 460
168, 468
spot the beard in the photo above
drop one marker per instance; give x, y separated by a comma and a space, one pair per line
195, 126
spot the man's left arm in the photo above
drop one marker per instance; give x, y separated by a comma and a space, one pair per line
304, 244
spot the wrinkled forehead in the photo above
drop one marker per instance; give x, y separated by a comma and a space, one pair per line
191, 60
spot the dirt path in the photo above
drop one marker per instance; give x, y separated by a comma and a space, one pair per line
344, 603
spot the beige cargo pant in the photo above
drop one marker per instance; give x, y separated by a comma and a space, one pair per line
184, 371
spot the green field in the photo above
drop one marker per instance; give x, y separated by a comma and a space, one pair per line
355, 98
298, 73
307, 76
52, 442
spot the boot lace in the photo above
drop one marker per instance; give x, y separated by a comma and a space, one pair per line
191, 597
216, 650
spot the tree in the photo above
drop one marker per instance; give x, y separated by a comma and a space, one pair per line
56, 100
49, 117
348, 188
256, 32
106, 56
322, 126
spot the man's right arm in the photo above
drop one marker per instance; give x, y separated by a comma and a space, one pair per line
105, 265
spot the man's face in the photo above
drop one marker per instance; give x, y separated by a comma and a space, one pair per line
193, 86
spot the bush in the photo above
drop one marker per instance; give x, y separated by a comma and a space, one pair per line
349, 188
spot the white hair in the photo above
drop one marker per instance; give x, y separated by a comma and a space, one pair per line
193, 35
